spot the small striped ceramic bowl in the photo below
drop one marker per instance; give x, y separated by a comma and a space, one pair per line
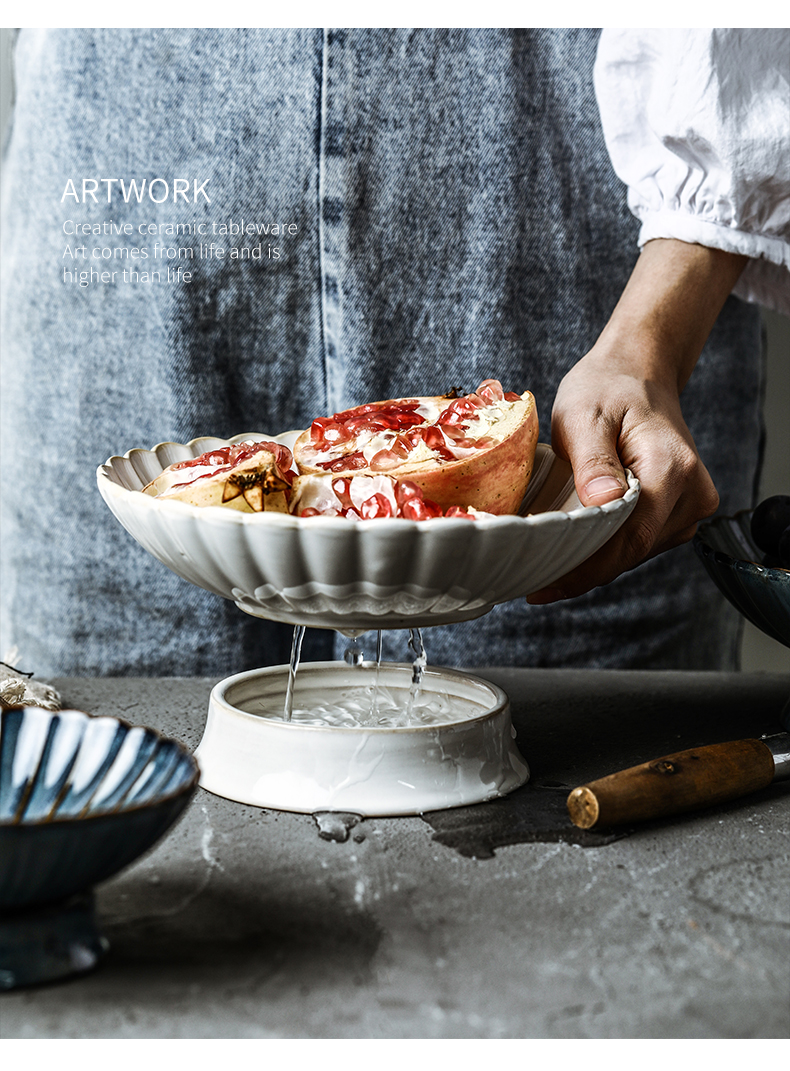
761, 593
81, 797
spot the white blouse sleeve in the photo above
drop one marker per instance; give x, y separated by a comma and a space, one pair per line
697, 124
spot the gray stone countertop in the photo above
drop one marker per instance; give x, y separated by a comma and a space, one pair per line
482, 922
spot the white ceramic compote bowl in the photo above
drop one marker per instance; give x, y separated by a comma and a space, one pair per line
356, 575
329, 572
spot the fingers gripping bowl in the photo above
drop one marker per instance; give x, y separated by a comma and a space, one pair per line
329, 572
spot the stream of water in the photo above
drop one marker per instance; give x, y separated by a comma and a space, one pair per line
370, 703
417, 669
296, 652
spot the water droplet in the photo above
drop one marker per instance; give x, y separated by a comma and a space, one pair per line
354, 655
335, 825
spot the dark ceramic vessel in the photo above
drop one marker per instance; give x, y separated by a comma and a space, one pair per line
761, 593
80, 798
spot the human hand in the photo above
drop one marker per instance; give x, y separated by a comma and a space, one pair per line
606, 419
619, 407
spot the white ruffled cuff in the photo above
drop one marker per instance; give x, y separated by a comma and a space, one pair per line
765, 279
695, 122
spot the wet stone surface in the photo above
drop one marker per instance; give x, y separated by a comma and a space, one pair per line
479, 922
533, 814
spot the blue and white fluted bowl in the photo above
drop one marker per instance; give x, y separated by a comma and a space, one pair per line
81, 797
329, 572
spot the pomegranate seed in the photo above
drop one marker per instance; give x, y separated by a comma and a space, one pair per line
461, 409
434, 439
491, 390
384, 459
454, 431
342, 489
421, 509
375, 506
406, 491
212, 457
344, 464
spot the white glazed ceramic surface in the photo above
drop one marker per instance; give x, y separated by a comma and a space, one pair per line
328, 572
369, 771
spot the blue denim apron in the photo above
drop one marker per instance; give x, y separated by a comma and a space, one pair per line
457, 219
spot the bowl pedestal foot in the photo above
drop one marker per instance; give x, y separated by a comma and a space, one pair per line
49, 942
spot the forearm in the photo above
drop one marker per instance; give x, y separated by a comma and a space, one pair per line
619, 407
667, 310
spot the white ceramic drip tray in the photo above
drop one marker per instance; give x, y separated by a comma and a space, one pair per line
357, 742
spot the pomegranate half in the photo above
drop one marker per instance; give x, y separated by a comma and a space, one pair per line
250, 476
474, 451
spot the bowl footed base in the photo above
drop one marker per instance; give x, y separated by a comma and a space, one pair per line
50, 942
251, 755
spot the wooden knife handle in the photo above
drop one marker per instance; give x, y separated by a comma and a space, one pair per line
699, 777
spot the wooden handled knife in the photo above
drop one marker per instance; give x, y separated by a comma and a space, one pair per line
699, 777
